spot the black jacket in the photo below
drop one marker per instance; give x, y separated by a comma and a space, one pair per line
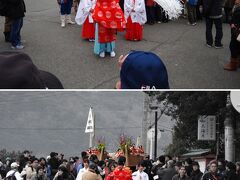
209, 176
231, 175
213, 8
15, 9
196, 175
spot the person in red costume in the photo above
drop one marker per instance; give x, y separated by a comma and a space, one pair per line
121, 172
109, 19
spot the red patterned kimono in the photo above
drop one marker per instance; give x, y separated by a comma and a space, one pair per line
120, 174
110, 18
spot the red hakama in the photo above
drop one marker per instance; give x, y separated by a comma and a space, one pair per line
133, 30
88, 30
106, 35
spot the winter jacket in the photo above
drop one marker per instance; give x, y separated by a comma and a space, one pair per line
229, 3
213, 8
89, 175
15, 9
177, 177
196, 175
231, 175
210, 176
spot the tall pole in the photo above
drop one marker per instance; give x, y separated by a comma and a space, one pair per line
229, 133
155, 140
218, 138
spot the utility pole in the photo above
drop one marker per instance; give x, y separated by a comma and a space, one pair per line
155, 136
145, 123
229, 133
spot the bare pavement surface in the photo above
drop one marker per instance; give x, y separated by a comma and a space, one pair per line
190, 64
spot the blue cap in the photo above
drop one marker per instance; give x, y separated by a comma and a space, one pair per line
143, 70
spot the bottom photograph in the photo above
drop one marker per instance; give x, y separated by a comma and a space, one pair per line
110, 135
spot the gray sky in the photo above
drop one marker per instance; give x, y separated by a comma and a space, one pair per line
55, 121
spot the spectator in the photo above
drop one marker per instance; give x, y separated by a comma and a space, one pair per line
65, 10
177, 166
91, 174
24, 158
228, 5
14, 171
81, 171
17, 71
170, 171
40, 174
231, 171
238, 169
188, 166
148, 166
62, 173
234, 44
54, 164
31, 170
213, 14
182, 175
157, 170
15, 11
196, 173
192, 13
140, 174
212, 173
142, 70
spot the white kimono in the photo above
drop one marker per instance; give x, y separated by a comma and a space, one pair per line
137, 175
84, 11
139, 14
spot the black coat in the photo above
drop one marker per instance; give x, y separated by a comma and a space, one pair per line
196, 175
213, 8
15, 9
231, 175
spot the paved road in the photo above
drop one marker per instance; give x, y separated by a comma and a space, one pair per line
190, 64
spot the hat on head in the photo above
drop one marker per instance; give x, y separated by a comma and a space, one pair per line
14, 165
143, 70
17, 71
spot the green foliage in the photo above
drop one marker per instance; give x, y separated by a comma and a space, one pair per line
185, 108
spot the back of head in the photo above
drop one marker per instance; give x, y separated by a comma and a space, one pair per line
121, 161
17, 71
143, 70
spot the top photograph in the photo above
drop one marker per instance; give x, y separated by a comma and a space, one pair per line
120, 44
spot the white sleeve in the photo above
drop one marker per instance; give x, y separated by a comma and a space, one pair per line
18, 176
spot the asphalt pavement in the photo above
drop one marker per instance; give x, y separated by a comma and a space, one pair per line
62, 51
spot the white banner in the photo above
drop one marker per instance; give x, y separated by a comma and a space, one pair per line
207, 128
90, 122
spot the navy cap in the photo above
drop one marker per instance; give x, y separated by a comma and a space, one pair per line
143, 70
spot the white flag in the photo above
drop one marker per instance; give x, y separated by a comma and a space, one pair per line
90, 122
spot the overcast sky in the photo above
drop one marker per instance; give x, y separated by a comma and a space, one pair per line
55, 121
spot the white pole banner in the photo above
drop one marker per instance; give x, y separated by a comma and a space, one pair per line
207, 128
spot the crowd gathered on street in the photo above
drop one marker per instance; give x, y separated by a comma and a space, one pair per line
89, 167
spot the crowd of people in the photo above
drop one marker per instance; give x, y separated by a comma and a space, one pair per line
88, 167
